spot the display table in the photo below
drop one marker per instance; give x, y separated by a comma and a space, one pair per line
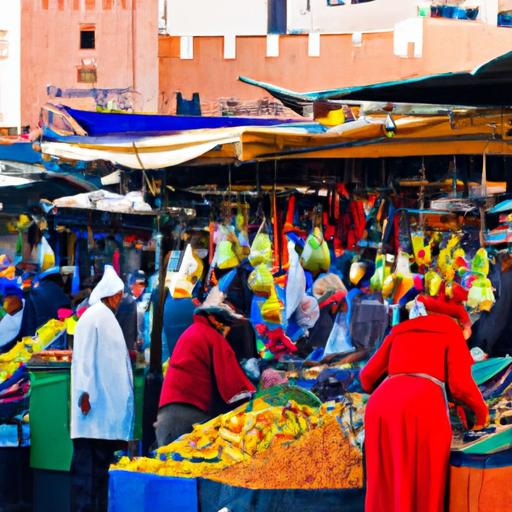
213, 496
141, 492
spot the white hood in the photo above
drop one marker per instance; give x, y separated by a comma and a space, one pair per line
109, 285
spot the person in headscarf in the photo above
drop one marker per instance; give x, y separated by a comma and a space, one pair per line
330, 292
102, 400
407, 427
44, 300
204, 378
10, 325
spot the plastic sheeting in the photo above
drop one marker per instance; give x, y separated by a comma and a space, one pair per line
484, 371
147, 153
106, 201
142, 492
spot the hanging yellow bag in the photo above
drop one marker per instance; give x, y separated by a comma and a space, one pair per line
261, 248
261, 280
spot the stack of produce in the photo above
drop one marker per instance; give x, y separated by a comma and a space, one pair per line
12, 360
228, 439
323, 458
23, 350
309, 448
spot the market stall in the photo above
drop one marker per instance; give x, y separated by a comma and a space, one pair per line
321, 235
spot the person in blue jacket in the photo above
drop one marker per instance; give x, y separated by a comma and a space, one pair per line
44, 300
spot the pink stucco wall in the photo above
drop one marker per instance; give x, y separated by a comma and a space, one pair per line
51, 50
448, 45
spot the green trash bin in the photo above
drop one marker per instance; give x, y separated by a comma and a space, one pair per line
51, 446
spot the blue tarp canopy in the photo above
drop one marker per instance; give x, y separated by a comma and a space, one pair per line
99, 124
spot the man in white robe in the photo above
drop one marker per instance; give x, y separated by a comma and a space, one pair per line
102, 401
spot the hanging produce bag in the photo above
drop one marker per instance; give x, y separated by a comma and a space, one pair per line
296, 283
46, 256
316, 256
261, 249
181, 283
271, 311
261, 280
224, 256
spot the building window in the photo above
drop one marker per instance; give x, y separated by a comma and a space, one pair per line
87, 74
4, 45
87, 37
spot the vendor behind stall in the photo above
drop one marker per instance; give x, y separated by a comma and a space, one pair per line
44, 300
10, 324
204, 377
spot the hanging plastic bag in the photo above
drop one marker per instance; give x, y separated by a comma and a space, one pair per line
339, 338
46, 256
480, 263
405, 278
224, 256
316, 256
242, 230
181, 283
308, 312
481, 296
272, 308
296, 283
261, 248
433, 283
261, 280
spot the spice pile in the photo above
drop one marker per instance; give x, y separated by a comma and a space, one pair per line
324, 458
228, 439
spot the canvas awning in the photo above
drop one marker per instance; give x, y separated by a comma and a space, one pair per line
449, 131
458, 133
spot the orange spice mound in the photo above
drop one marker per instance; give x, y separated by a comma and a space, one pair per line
321, 459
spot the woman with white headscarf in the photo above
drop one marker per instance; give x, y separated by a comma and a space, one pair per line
102, 402
10, 324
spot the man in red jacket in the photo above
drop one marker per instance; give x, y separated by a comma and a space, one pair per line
204, 378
